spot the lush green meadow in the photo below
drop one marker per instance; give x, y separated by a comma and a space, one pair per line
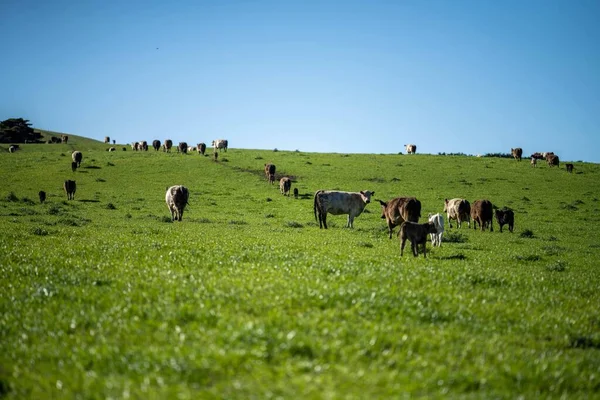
104, 297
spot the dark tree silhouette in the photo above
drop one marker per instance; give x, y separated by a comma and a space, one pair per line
17, 130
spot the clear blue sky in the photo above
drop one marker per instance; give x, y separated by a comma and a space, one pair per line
347, 76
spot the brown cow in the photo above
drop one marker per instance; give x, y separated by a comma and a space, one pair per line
552, 160
482, 213
285, 184
70, 188
400, 209
517, 153
417, 234
569, 167
505, 216
270, 172
458, 209
156, 144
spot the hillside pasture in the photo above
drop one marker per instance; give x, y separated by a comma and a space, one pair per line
103, 296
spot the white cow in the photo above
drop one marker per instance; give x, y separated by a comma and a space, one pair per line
410, 148
219, 144
338, 203
438, 222
177, 198
458, 209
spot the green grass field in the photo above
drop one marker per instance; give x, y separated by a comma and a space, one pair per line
104, 297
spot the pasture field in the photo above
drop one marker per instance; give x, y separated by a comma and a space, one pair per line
104, 297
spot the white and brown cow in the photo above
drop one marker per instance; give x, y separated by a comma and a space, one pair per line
285, 184
517, 153
219, 144
77, 157
398, 210
338, 203
438, 221
270, 172
410, 148
458, 209
167, 145
177, 198
417, 234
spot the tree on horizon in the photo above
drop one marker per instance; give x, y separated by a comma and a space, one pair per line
17, 130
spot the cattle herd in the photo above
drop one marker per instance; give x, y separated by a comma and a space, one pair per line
400, 211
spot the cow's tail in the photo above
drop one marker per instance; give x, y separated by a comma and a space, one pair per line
316, 205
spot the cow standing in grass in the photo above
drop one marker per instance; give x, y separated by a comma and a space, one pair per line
285, 184
156, 144
182, 147
70, 187
482, 213
417, 234
77, 157
270, 172
569, 167
505, 216
167, 145
459, 210
220, 144
177, 198
438, 221
42, 196
398, 210
201, 148
517, 153
552, 160
410, 148
338, 203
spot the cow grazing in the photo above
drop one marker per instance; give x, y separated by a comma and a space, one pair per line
201, 148
569, 167
438, 221
417, 234
135, 146
285, 184
177, 198
538, 156
143, 146
295, 193
156, 144
77, 157
220, 144
410, 148
533, 161
398, 210
482, 213
552, 160
12, 149
64, 139
70, 188
517, 153
42, 195
167, 146
106, 139
338, 203
270, 172
182, 147
505, 216
458, 209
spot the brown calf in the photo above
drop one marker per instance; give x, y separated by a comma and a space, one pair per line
417, 234
569, 167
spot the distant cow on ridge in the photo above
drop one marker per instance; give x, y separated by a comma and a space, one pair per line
410, 148
398, 210
338, 203
177, 198
220, 144
201, 148
569, 167
517, 153
167, 145
182, 147
552, 160
156, 144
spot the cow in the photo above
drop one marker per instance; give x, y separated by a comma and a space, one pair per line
143, 146
55, 139
338, 203
73, 166
42, 195
70, 188
219, 144
398, 210
182, 147
64, 139
77, 157
552, 160
270, 172
458, 209
156, 144
516, 153
569, 167
295, 193
285, 184
167, 145
538, 156
135, 146
201, 148
112, 149
191, 149
482, 213
410, 148
12, 148
438, 221
505, 216
417, 234
533, 161
177, 198
106, 139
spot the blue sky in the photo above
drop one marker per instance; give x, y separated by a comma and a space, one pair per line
327, 76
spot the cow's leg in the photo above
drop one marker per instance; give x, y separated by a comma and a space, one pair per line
390, 228
350, 221
325, 220
402, 244
425, 248
415, 249
492, 225
449, 220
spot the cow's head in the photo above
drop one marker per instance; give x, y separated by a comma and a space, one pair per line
366, 196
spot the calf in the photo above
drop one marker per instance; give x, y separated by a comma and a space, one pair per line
533, 161
70, 187
417, 234
338, 203
73, 166
458, 209
400, 209
285, 184
438, 221
569, 168
295, 193
270, 172
177, 198
505, 216
482, 213
42, 195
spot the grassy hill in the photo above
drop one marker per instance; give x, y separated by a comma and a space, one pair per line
103, 296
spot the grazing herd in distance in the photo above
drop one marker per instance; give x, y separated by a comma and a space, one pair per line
400, 211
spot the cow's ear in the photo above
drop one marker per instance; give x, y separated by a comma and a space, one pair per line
372, 193
361, 192
446, 201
